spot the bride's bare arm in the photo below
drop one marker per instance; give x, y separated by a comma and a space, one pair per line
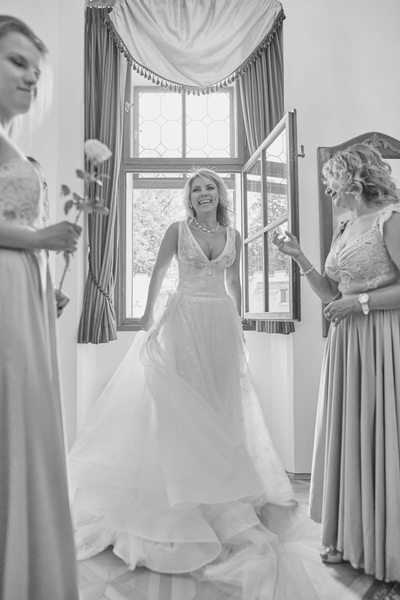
168, 249
233, 276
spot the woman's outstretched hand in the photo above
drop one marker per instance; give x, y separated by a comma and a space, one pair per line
287, 244
62, 237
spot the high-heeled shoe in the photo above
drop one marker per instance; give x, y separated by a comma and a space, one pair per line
332, 556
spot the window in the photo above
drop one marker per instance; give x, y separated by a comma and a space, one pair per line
166, 134
270, 279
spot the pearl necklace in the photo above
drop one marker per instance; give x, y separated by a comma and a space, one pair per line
205, 228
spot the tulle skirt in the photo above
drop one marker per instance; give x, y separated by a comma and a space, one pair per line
175, 468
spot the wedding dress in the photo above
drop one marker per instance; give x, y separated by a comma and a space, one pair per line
175, 467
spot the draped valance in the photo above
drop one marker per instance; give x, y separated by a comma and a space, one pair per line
193, 45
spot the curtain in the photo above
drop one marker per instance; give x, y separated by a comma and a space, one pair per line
193, 45
104, 97
261, 91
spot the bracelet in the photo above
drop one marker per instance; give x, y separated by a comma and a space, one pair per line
308, 271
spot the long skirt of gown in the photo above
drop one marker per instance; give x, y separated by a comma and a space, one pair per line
355, 486
175, 468
37, 560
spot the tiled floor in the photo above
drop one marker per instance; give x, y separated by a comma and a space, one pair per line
105, 577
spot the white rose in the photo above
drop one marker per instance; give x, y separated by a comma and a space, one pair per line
97, 151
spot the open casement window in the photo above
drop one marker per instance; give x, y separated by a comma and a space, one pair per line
270, 203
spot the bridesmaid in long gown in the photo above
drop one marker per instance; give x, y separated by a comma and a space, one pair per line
175, 467
355, 485
37, 560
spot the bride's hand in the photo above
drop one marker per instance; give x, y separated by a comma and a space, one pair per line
145, 322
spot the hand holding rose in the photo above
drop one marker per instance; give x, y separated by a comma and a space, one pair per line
64, 236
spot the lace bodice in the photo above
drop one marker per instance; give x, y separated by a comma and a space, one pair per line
20, 192
198, 275
364, 263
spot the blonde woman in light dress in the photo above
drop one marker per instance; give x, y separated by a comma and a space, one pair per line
175, 468
37, 559
355, 485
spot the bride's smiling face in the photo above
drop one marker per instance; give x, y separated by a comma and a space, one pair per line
204, 195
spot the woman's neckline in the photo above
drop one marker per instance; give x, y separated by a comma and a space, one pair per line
210, 260
350, 241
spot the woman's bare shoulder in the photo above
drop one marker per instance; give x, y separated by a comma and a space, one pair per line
238, 237
7, 152
174, 226
392, 221
172, 230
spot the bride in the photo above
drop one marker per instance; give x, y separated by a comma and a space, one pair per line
175, 468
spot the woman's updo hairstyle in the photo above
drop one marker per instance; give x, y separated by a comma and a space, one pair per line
223, 208
361, 169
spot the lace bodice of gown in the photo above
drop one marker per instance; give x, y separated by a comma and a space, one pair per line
20, 192
198, 275
364, 263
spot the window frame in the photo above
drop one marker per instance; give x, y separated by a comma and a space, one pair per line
288, 122
182, 164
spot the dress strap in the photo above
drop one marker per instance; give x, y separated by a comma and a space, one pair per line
385, 214
181, 233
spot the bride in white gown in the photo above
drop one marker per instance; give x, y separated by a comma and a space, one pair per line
175, 468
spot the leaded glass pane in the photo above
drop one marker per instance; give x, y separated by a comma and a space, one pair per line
160, 125
256, 280
276, 170
278, 276
208, 125
254, 201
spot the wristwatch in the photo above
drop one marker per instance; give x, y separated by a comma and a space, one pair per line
363, 300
